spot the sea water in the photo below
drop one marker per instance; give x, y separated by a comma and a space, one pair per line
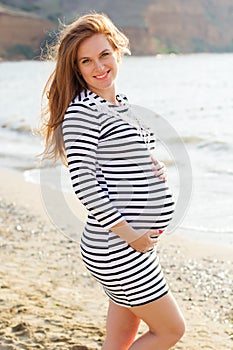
192, 95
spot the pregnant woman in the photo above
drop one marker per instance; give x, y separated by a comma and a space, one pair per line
108, 151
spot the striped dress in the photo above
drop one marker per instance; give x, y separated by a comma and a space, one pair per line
111, 172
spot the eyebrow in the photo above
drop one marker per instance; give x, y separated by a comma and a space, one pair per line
82, 58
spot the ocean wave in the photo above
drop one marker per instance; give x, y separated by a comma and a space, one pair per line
20, 128
207, 229
192, 139
216, 145
218, 172
210, 142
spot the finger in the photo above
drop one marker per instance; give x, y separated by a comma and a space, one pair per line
163, 177
159, 164
160, 172
154, 241
158, 167
154, 161
156, 233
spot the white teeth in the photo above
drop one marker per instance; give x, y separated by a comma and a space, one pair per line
101, 76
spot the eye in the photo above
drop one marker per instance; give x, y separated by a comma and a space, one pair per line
105, 54
85, 61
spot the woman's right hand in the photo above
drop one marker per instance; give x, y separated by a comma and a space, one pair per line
147, 241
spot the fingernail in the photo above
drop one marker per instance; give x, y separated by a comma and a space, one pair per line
160, 231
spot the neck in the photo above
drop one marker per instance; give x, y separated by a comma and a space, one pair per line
108, 95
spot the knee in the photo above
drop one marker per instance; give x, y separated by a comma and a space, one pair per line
170, 335
121, 337
177, 332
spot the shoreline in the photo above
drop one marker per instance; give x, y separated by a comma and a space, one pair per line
48, 297
205, 236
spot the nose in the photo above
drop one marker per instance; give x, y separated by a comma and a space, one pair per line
99, 65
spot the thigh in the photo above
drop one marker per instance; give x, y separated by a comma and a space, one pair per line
122, 326
162, 315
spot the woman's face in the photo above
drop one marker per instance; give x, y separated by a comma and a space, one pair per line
98, 64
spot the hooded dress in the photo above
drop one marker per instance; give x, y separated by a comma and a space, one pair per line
111, 172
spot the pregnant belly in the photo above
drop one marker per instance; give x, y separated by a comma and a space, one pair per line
149, 206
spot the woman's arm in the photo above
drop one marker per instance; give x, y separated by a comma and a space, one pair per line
140, 240
81, 131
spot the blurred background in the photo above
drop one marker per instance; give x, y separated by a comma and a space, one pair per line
181, 68
153, 26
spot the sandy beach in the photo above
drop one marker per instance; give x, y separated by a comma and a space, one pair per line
49, 301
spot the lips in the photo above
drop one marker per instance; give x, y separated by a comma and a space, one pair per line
102, 76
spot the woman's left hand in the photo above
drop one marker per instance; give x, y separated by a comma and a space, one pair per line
159, 169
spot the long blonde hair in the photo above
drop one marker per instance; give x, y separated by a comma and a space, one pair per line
65, 83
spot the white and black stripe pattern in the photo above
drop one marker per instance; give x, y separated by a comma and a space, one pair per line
111, 173
128, 277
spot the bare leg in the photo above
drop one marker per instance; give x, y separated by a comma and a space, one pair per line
122, 326
165, 322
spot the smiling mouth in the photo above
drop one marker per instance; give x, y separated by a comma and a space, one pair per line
103, 76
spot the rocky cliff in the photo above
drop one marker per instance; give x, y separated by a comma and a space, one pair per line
191, 26
21, 34
153, 26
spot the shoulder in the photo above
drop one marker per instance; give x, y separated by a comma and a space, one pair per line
81, 107
83, 101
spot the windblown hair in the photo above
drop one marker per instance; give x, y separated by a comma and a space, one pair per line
65, 83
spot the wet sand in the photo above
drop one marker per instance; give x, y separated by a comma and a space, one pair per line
49, 301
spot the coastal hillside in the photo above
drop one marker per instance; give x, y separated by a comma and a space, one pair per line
153, 26
21, 34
